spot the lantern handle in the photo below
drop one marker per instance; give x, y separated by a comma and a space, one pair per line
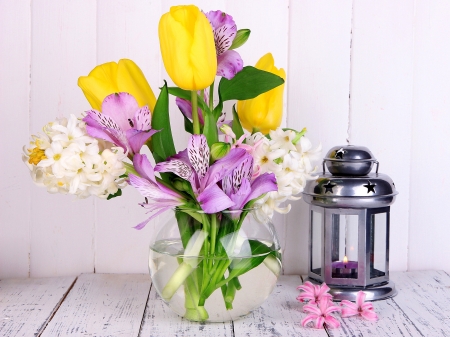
323, 167
378, 165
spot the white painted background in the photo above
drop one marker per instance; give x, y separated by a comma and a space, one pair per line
367, 72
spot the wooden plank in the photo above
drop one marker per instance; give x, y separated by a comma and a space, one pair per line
428, 230
280, 314
118, 247
26, 305
15, 49
102, 305
160, 320
63, 47
318, 96
381, 101
421, 308
424, 296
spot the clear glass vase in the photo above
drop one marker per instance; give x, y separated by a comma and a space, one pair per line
215, 267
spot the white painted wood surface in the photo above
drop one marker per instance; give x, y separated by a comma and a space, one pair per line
373, 73
280, 315
15, 187
318, 89
26, 305
102, 305
113, 305
63, 43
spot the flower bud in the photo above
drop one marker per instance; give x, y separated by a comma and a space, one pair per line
219, 150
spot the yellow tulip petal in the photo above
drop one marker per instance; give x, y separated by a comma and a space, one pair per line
265, 111
131, 79
95, 90
187, 47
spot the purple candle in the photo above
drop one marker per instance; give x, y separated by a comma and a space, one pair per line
345, 267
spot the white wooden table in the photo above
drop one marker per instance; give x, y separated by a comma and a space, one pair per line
119, 305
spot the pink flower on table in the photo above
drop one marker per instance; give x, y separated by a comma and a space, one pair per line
365, 310
321, 314
313, 293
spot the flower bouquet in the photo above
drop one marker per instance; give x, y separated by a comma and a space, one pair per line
225, 179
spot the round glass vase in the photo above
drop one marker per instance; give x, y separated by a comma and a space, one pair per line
215, 267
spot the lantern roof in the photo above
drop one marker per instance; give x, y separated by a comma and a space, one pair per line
350, 184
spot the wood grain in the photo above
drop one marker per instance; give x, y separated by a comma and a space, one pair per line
15, 216
280, 315
318, 96
428, 229
63, 44
421, 308
126, 30
381, 101
26, 305
102, 305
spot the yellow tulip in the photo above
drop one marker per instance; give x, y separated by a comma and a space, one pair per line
187, 47
112, 77
263, 112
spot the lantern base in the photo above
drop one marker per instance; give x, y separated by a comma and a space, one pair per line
349, 293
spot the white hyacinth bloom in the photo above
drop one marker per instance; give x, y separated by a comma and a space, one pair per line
290, 156
67, 160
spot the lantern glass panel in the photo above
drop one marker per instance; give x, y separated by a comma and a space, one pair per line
378, 237
316, 242
344, 246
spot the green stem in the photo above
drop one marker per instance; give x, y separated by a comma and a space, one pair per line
211, 96
194, 312
195, 119
213, 234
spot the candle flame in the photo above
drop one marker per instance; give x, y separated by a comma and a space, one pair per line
345, 260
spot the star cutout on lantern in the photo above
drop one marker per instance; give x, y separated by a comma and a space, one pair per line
370, 187
339, 153
329, 187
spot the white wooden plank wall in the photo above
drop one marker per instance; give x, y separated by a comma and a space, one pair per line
365, 72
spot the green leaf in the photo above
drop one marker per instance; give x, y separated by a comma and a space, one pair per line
188, 126
236, 126
241, 37
248, 83
186, 94
259, 252
210, 129
162, 141
117, 194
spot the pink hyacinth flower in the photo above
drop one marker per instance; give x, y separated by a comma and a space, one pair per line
365, 310
313, 293
321, 314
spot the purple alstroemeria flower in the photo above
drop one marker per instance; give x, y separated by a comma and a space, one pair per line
121, 122
229, 62
193, 166
185, 107
238, 185
162, 198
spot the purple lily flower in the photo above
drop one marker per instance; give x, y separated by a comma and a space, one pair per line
229, 62
241, 189
121, 122
162, 197
193, 165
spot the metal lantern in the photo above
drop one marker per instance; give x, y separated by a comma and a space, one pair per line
349, 225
